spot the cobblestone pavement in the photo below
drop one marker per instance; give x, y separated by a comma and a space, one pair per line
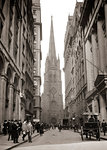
6, 145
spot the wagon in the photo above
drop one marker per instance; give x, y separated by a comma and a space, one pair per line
89, 129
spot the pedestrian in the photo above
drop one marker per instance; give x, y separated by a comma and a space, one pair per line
15, 131
29, 131
24, 129
38, 127
104, 124
5, 127
9, 130
20, 126
41, 131
59, 127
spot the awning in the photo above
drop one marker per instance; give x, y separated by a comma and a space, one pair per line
36, 120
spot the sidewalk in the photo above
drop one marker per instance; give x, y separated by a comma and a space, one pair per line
6, 145
102, 136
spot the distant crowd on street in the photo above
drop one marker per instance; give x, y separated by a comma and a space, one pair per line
16, 128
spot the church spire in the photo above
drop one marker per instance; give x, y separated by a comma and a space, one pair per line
52, 52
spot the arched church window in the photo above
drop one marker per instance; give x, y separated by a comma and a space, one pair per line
54, 105
50, 77
30, 106
54, 77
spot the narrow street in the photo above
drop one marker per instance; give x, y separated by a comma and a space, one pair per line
54, 137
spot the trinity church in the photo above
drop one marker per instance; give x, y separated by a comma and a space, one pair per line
51, 100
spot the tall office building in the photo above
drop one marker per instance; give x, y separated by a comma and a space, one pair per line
36, 9
16, 59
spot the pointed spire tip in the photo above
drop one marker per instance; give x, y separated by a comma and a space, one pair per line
51, 17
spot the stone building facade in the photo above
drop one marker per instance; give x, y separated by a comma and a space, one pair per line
16, 59
94, 28
74, 67
51, 102
89, 44
68, 66
36, 9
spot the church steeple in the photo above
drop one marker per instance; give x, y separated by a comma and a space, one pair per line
52, 52
52, 105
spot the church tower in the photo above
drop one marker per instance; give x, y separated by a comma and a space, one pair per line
51, 102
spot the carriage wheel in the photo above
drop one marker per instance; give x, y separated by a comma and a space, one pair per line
82, 134
98, 135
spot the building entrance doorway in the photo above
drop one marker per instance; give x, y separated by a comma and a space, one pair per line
54, 121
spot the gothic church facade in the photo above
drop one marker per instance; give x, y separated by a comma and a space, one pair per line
51, 102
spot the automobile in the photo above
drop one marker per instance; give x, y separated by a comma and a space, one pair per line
90, 145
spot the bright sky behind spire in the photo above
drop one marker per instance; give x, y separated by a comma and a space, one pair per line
60, 10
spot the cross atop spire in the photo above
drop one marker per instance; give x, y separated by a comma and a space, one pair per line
52, 52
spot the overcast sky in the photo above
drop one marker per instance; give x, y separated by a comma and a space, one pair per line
60, 10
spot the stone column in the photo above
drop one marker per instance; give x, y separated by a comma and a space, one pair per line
105, 9
96, 105
95, 53
17, 111
89, 65
2, 97
101, 45
93, 105
102, 108
10, 113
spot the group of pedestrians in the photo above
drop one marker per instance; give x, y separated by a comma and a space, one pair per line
13, 129
104, 127
40, 128
16, 128
27, 129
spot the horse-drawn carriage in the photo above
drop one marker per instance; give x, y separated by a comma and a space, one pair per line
90, 128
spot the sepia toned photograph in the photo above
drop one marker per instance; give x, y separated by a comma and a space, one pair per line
53, 74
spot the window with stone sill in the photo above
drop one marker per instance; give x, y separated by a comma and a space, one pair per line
10, 17
35, 38
1, 65
2, 2
23, 30
24, 13
34, 20
34, 12
23, 67
9, 42
1, 27
104, 29
35, 31
15, 54
82, 66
